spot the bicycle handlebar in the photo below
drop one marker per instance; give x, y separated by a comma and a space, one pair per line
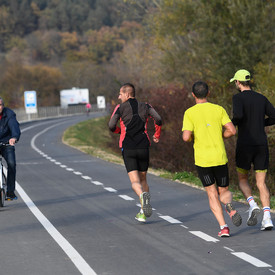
4, 143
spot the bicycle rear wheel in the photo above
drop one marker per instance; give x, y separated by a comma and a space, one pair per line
2, 197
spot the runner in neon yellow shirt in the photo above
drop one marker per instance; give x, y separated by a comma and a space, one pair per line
204, 123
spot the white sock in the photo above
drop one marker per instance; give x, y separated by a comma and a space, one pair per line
266, 212
251, 201
141, 211
223, 226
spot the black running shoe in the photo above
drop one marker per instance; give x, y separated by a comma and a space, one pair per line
11, 196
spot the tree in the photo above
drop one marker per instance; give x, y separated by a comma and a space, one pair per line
212, 39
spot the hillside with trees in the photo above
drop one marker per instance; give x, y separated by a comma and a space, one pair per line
162, 46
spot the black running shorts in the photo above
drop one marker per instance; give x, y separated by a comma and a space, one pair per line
210, 175
136, 159
256, 155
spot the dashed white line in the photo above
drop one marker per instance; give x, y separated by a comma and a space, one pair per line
86, 177
127, 198
97, 182
204, 236
184, 226
77, 173
69, 169
110, 189
170, 219
250, 259
228, 248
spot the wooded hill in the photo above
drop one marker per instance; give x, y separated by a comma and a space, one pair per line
161, 46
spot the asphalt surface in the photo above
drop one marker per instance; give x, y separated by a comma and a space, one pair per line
75, 215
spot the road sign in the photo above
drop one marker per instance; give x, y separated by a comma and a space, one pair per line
30, 102
101, 102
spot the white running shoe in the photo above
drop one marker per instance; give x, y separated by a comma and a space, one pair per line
267, 224
252, 216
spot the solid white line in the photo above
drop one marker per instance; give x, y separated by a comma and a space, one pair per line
127, 198
250, 259
170, 219
204, 236
273, 271
75, 257
110, 189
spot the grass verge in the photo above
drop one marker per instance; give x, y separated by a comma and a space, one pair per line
93, 137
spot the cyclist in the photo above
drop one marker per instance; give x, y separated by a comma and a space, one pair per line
134, 141
9, 134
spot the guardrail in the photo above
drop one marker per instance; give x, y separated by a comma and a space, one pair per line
54, 111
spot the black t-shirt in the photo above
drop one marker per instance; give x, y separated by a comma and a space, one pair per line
249, 114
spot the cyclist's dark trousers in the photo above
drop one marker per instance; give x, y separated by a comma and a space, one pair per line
8, 153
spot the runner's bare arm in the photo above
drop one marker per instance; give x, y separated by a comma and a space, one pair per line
230, 130
187, 136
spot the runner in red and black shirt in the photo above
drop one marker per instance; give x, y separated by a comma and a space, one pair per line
134, 142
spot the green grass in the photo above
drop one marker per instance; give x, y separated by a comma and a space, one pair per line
93, 137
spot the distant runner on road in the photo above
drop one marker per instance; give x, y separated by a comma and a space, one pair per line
204, 122
250, 110
134, 142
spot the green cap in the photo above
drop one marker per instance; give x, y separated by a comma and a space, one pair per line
241, 75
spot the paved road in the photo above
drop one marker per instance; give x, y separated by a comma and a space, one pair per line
75, 215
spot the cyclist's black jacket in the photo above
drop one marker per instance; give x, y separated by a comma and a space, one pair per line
9, 126
249, 114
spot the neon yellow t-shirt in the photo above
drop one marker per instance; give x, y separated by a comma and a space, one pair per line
205, 120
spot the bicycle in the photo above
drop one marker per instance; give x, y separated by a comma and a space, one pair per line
3, 180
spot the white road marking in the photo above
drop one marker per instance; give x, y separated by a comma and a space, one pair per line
170, 219
75, 257
228, 248
110, 189
86, 177
97, 182
77, 173
72, 253
204, 236
127, 198
250, 259
184, 226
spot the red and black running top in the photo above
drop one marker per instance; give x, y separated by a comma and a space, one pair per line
133, 117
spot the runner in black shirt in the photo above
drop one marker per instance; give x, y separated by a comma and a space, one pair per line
249, 114
134, 142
